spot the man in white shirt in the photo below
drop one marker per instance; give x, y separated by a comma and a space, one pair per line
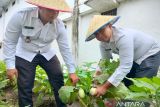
27, 43
139, 53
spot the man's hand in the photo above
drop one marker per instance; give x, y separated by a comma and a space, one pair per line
74, 78
11, 73
101, 90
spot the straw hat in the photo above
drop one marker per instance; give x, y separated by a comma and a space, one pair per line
59, 5
97, 23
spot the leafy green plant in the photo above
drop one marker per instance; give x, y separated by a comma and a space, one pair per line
6, 85
142, 89
42, 88
3, 79
3, 104
88, 81
108, 66
145, 88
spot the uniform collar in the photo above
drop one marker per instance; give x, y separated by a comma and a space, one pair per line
113, 35
117, 34
34, 13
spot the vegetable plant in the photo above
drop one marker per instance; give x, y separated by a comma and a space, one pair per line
86, 87
143, 89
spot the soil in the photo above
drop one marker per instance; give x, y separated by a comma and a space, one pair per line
11, 98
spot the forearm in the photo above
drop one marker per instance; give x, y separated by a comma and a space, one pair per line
68, 59
9, 51
65, 49
107, 85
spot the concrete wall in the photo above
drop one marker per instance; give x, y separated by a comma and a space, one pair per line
88, 51
143, 15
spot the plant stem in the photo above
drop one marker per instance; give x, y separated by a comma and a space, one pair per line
82, 102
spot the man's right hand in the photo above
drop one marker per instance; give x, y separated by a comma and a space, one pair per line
11, 73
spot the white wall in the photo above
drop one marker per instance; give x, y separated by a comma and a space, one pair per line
88, 51
143, 15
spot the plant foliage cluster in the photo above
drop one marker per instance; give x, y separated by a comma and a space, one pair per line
143, 89
42, 89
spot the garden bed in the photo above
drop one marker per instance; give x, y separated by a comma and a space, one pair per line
143, 90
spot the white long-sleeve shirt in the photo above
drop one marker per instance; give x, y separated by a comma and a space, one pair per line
131, 45
26, 24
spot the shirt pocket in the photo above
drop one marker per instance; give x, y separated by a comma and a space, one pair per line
31, 33
114, 48
51, 34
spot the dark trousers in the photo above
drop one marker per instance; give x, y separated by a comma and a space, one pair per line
148, 68
26, 76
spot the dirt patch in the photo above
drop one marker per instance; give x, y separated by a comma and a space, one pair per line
9, 96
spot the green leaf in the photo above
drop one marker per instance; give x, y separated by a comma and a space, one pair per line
88, 64
122, 89
2, 66
73, 97
119, 92
68, 82
82, 75
65, 93
143, 83
39, 99
102, 78
108, 66
138, 95
134, 88
156, 80
100, 103
3, 104
3, 83
65, 75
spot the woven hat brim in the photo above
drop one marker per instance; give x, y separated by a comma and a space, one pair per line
36, 4
92, 34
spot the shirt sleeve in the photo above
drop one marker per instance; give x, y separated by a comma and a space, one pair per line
65, 51
10, 40
126, 53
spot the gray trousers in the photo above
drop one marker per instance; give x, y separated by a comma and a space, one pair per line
148, 68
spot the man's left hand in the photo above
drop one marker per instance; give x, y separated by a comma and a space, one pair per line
74, 78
